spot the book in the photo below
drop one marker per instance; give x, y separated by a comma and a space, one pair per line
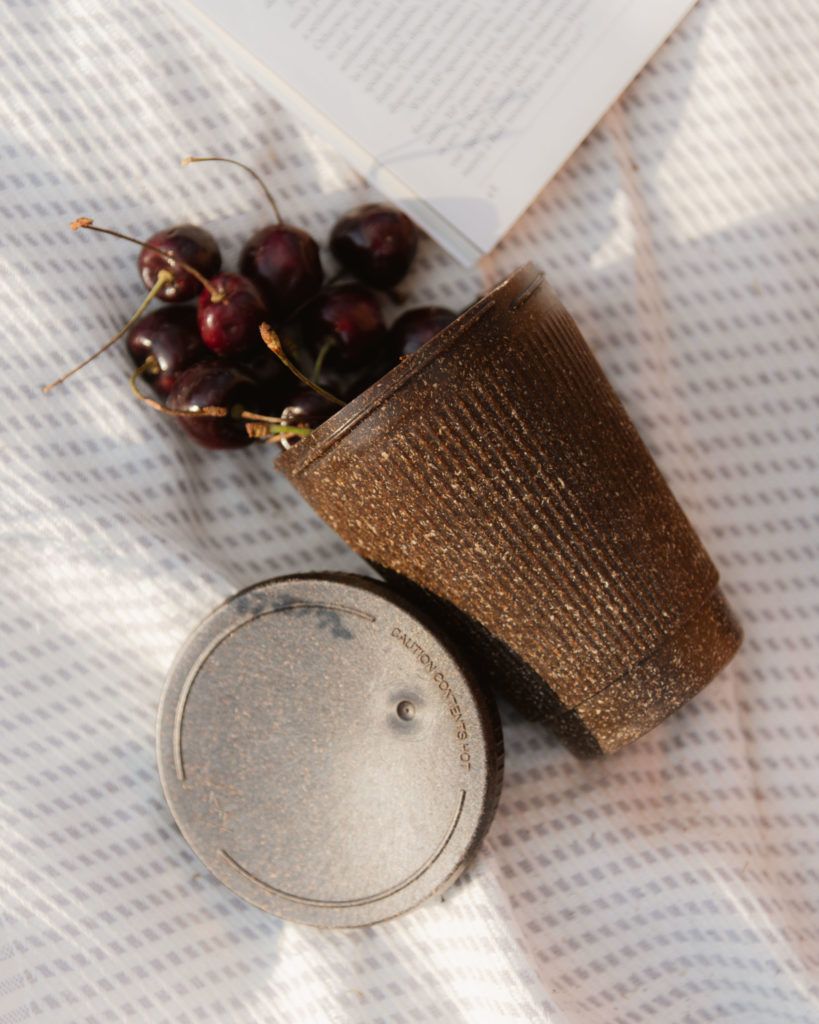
459, 111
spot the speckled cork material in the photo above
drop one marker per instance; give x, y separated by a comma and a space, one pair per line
496, 474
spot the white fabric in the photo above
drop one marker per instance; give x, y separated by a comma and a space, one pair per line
676, 881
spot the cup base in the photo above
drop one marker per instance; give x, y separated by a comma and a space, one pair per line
671, 675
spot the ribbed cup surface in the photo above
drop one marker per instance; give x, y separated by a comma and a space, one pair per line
498, 470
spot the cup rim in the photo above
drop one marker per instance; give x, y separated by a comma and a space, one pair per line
295, 460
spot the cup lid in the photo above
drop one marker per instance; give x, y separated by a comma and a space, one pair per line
325, 753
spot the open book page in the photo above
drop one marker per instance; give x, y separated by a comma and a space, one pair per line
461, 112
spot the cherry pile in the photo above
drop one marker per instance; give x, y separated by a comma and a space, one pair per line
270, 352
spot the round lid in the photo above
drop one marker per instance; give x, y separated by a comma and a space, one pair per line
324, 753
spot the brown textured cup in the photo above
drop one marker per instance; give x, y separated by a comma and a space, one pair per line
496, 472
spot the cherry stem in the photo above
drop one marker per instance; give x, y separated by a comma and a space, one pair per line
293, 429
319, 363
273, 422
163, 277
276, 431
273, 342
88, 224
236, 163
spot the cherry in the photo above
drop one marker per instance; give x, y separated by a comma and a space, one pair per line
274, 344
274, 382
263, 367
282, 260
172, 336
185, 243
307, 408
346, 384
415, 328
376, 243
163, 278
343, 327
229, 321
220, 384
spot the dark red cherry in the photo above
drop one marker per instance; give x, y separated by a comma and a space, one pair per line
347, 383
283, 262
415, 328
344, 384
185, 242
230, 326
215, 383
171, 335
275, 381
347, 321
376, 243
306, 408
267, 369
